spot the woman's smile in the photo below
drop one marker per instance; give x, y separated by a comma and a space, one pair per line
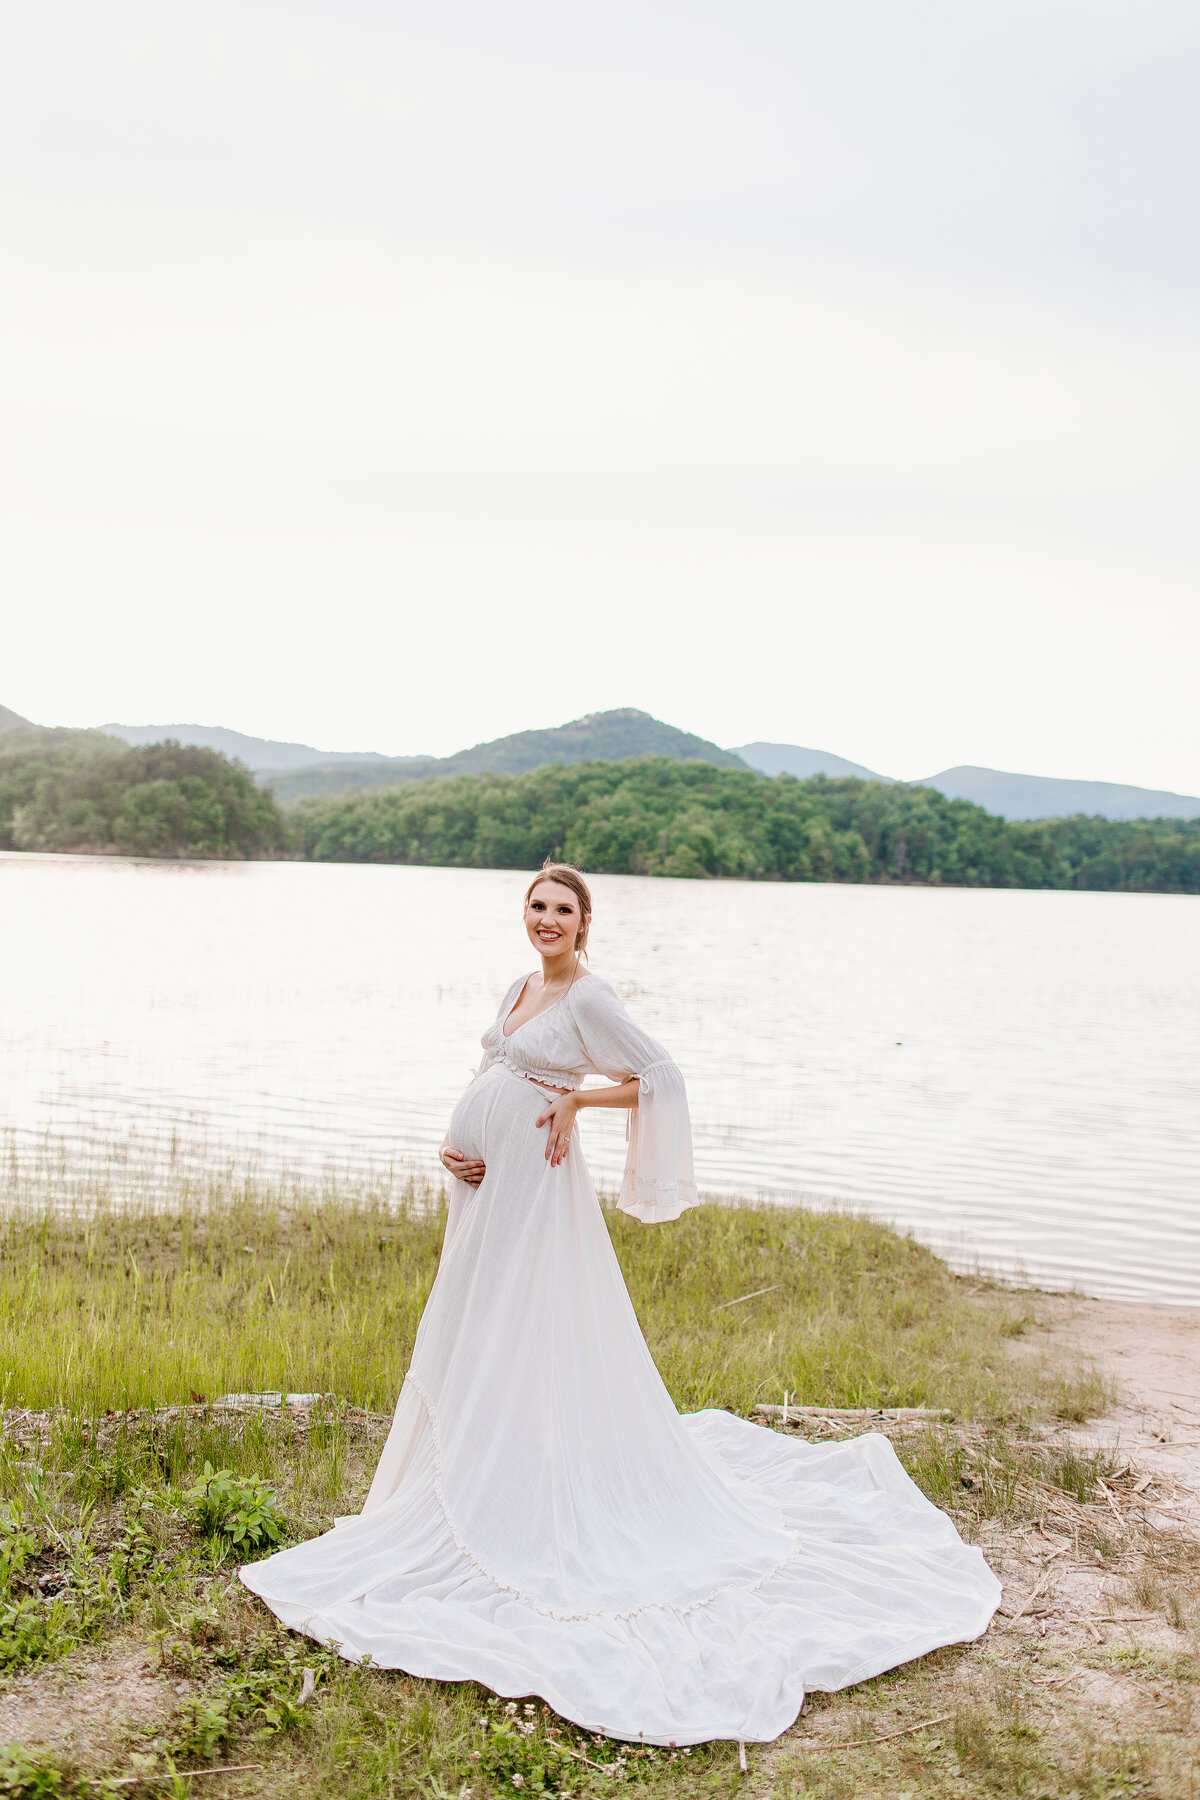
555, 922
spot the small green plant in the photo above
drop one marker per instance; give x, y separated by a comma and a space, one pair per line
35, 1626
134, 1553
205, 1725
262, 1698
517, 1756
195, 1639
34, 1631
29, 1775
236, 1515
17, 1543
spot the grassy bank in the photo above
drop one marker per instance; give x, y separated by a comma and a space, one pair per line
128, 1649
261, 1287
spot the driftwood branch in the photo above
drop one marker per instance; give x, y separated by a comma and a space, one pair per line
786, 1413
1109, 1496
1036, 1589
861, 1743
580, 1757
773, 1289
186, 1774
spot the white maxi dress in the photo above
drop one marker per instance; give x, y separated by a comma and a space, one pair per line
545, 1522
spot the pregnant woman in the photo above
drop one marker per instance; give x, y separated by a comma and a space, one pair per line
542, 1519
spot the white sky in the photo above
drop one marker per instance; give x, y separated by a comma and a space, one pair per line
394, 376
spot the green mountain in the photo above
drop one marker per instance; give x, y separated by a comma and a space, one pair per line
10, 719
598, 737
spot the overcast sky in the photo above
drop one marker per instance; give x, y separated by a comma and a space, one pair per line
393, 376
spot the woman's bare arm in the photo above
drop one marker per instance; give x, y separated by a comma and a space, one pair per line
621, 1093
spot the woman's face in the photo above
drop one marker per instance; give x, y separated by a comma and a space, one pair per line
553, 918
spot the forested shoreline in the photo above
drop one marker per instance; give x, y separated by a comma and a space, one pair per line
82, 791
648, 815
655, 815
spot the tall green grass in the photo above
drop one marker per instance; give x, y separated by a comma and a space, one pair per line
256, 1286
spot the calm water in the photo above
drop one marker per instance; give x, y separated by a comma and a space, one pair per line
1014, 1075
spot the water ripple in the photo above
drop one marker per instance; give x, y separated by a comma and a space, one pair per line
1012, 1075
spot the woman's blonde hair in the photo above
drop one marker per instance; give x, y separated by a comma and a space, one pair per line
569, 876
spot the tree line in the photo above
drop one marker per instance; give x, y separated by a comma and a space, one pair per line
654, 815
646, 815
82, 791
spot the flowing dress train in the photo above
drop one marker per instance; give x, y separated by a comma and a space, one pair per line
544, 1521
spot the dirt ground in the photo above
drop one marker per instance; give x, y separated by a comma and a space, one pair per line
1092, 1656
1153, 1355
86, 1704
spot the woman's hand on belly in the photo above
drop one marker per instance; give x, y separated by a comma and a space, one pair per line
559, 1115
463, 1168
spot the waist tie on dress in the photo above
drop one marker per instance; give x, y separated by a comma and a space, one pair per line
555, 1078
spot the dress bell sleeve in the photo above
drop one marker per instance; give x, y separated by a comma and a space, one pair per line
659, 1180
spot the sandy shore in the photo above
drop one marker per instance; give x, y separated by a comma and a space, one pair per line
1152, 1354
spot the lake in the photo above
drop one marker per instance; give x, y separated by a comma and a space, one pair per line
1012, 1075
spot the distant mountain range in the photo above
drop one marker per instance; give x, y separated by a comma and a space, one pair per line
263, 755
18, 733
1048, 797
999, 791
598, 737
295, 770
793, 759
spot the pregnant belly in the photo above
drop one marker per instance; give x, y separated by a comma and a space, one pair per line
497, 1108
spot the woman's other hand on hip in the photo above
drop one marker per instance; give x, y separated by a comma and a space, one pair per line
559, 1115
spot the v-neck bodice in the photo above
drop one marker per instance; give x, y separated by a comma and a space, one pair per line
587, 1031
506, 1033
